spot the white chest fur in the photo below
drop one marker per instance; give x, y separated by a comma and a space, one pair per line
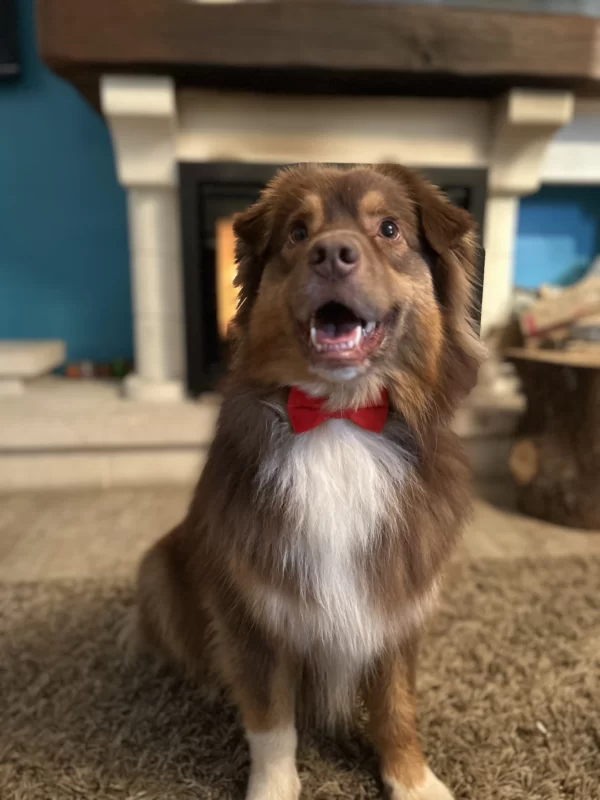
337, 483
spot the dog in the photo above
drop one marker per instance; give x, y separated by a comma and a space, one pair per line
334, 490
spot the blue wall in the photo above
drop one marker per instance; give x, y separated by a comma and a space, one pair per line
559, 234
63, 237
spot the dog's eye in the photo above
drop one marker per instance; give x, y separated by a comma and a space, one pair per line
298, 232
388, 229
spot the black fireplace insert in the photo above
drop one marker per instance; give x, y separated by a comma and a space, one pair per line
210, 194
10, 63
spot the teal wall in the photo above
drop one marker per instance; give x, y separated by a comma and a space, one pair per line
558, 235
63, 238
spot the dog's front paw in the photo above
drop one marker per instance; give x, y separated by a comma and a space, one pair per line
431, 789
273, 773
274, 785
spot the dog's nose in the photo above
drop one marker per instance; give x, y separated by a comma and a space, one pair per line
333, 259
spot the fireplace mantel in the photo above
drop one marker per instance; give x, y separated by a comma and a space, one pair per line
334, 47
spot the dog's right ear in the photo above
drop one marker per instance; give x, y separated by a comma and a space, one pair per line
251, 229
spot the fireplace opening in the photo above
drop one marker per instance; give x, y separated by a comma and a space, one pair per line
210, 194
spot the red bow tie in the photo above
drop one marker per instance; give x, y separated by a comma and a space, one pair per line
306, 412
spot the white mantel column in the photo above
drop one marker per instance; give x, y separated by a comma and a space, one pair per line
523, 123
141, 113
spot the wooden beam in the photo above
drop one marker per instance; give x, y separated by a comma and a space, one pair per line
376, 47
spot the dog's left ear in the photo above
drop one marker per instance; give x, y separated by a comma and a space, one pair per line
448, 234
251, 230
444, 226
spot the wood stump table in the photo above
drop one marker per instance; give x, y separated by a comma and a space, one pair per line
555, 461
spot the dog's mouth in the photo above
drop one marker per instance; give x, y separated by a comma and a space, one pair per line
336, 334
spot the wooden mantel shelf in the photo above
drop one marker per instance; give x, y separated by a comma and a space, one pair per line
327, 46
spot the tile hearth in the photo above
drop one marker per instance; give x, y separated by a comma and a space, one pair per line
64, 433
80, 433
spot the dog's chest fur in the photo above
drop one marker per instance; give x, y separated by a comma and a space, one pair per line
339, 488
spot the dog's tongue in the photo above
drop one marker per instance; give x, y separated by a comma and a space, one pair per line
336, 324
332, 333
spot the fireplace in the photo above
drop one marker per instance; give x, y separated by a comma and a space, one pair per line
189, 158
210, 194
199, 83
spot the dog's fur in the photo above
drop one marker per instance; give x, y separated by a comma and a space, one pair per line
317, 556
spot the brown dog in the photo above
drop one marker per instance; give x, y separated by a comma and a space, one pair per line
334, 489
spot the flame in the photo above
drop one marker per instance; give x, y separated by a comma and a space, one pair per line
226, 291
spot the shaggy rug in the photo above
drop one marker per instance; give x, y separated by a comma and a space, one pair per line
509, 687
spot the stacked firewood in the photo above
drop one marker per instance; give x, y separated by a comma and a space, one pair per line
565, 319
555, 460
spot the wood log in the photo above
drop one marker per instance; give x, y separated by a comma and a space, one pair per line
524, 461
556, 460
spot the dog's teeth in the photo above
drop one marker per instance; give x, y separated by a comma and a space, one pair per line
313, 338
349, 344
370, 327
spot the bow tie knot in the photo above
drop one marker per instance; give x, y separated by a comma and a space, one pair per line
306, 412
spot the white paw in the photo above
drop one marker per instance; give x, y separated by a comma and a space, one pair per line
431, 789
273, 774
274, 785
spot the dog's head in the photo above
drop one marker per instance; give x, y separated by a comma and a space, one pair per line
355, 279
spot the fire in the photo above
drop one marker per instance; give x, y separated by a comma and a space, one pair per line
226, 292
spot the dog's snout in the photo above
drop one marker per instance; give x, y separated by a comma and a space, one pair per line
334, 258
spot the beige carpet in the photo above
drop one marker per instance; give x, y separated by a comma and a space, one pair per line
510, 698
